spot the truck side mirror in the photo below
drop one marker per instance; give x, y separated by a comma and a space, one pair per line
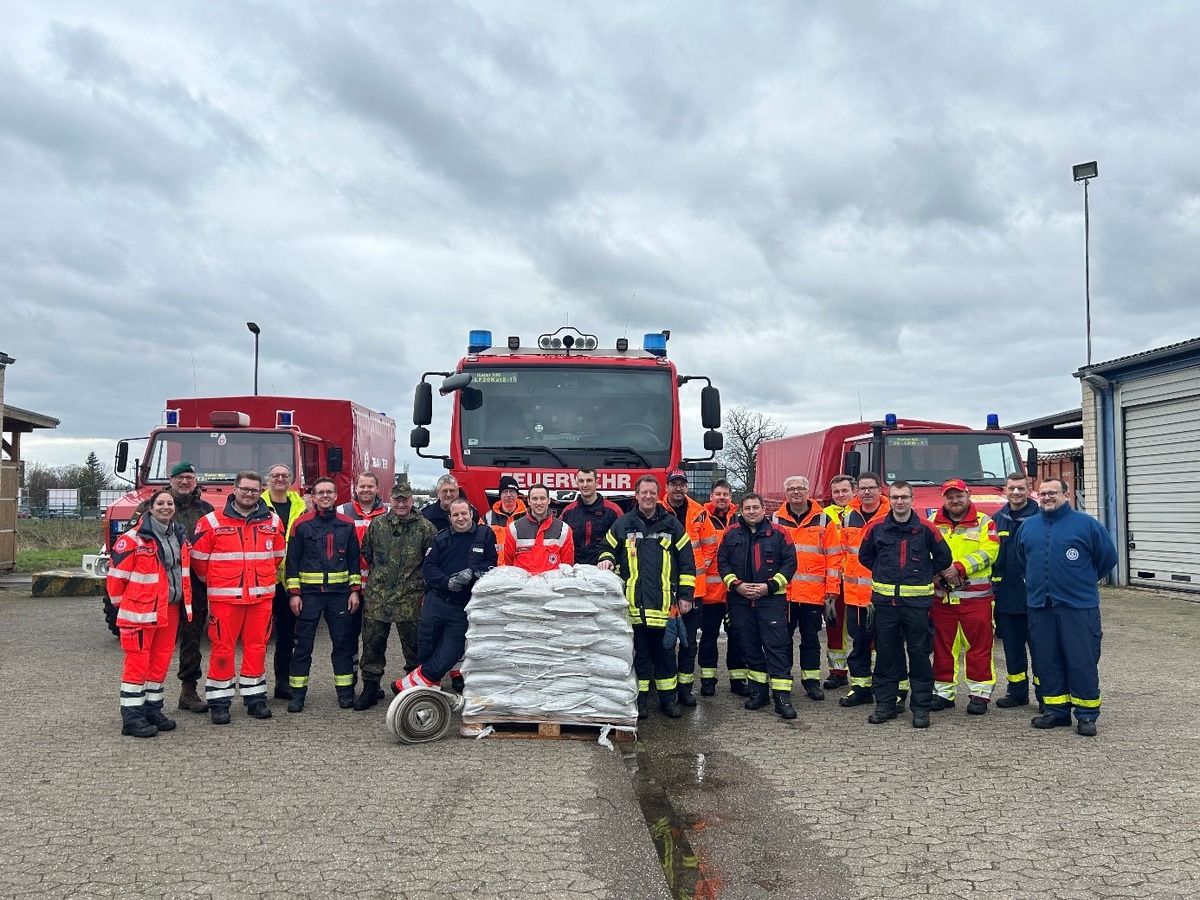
423, 404
710, 408
714, 441
1031, 463
122, 461
455, 382
333, 460
418, 438
852, 463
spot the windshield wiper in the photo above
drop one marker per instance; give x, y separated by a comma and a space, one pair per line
526, 450
628, 450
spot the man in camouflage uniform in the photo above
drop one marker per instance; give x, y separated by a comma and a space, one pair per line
394, 549
189, 509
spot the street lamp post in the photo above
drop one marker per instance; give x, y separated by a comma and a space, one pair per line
1085, 172
254, 329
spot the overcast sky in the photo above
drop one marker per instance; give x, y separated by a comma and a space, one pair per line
828, 204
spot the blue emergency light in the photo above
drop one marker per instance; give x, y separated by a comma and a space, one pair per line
993, 422
655, 344
171, 418
889, 421
478, 341
283, 418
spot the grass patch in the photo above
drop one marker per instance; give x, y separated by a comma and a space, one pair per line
44, 544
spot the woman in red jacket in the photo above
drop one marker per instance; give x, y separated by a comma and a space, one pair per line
148, 581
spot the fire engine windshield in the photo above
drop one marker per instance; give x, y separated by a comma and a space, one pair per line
976, 457
218, 455
572, 416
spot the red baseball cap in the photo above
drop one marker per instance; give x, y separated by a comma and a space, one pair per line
954, 484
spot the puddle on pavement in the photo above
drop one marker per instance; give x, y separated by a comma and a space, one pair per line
687, 876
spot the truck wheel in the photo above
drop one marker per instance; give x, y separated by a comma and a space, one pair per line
110, 616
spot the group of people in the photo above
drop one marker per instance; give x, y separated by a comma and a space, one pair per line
891, 589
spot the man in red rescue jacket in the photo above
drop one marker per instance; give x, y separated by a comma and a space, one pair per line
236, 553
538, 542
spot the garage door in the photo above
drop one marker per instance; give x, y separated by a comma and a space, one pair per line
1162, 471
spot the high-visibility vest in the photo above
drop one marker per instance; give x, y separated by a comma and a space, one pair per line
975, 545
818, 553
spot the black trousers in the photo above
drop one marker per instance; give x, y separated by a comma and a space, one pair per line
191, 633
686, 666
284, 629
651, 660
897, 629
1013, 631
334, 608
713, 615
806, 618
862, 639
763, 627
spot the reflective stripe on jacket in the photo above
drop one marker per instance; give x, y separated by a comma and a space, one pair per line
703, 535
974, 546
856, 578
654, 556
323, 554
538, 546
903, 558
818, 553
714, 586
762, 553
296, 508
497, 520
137, 582
239, 557
362, 519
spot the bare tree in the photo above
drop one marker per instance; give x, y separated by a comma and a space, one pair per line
744, 430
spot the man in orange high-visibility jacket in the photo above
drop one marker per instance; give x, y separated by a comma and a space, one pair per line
236, 553
722, 512
962, 605
504, 511
817, 579
703, 537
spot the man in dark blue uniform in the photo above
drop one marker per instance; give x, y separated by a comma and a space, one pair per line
1008, 587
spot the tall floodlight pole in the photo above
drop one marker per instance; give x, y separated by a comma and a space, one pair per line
254, 329
1085, 172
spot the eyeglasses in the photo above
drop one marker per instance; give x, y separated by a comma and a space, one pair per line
1049, 493
246, 490
324, 493
279, 475
795, 489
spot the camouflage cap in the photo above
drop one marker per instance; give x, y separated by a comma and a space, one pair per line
403, 489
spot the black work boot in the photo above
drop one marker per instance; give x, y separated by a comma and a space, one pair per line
901, 700
939, 703
708, 687
296, 704
760, 696
1012, 700
882, 714
345, 697
836, 680
152, 712
812, 687
282, 691
371, 694
258, 709
977, 706
783, 704
643, 704
456, 682
134, 724
219, 714
740, 687
856, 697
670, 708
685, 696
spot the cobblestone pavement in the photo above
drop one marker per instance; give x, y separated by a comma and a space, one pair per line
832, 807
319, 805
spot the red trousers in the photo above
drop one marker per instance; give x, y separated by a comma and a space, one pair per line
148, 653
958, 628
227, 623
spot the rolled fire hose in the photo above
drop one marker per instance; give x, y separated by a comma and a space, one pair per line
421, 715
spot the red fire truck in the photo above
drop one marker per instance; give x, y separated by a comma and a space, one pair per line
539, 413
923, 453
222, 436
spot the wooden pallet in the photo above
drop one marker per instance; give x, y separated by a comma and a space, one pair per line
546, 730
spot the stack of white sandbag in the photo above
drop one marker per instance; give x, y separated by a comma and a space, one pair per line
555, 646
